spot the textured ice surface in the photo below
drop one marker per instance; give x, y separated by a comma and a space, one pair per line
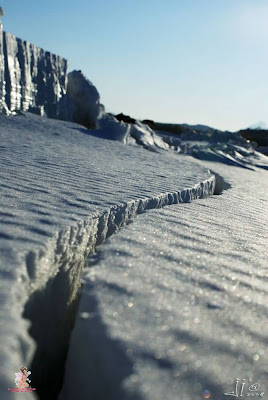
63, 191
176, 303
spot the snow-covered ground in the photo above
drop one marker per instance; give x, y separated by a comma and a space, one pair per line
201, 142
174, 306
62, 192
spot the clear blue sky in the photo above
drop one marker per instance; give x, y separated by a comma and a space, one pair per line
193, 61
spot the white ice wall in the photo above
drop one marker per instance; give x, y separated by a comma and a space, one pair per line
30, 77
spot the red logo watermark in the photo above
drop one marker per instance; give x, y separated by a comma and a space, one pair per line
22, 381
16, 390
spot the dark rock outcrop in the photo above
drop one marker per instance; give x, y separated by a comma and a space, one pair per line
259, 136
125, 118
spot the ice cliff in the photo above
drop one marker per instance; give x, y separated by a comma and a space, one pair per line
31, 78
35, 80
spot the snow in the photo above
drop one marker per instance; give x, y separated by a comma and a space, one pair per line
213, 145
175, 304
199, 141
172, 305
138, 133
62, 192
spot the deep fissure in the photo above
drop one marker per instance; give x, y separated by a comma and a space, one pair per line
52, 309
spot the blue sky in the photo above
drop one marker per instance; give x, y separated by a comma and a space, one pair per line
193, 61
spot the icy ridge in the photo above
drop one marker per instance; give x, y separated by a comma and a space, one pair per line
176, 302
67, 255
59, 199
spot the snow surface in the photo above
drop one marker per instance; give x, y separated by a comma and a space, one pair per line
172, 305
176, 303
199, 141
62, 192
133, 134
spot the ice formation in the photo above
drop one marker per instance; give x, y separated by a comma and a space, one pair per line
82, 101
31, 78
66, 189
64, 192
175, 304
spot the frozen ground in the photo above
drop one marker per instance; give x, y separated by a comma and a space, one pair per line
201, 142
63, 192
174, 306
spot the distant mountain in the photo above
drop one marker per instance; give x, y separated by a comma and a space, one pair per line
201, 128
260, 125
